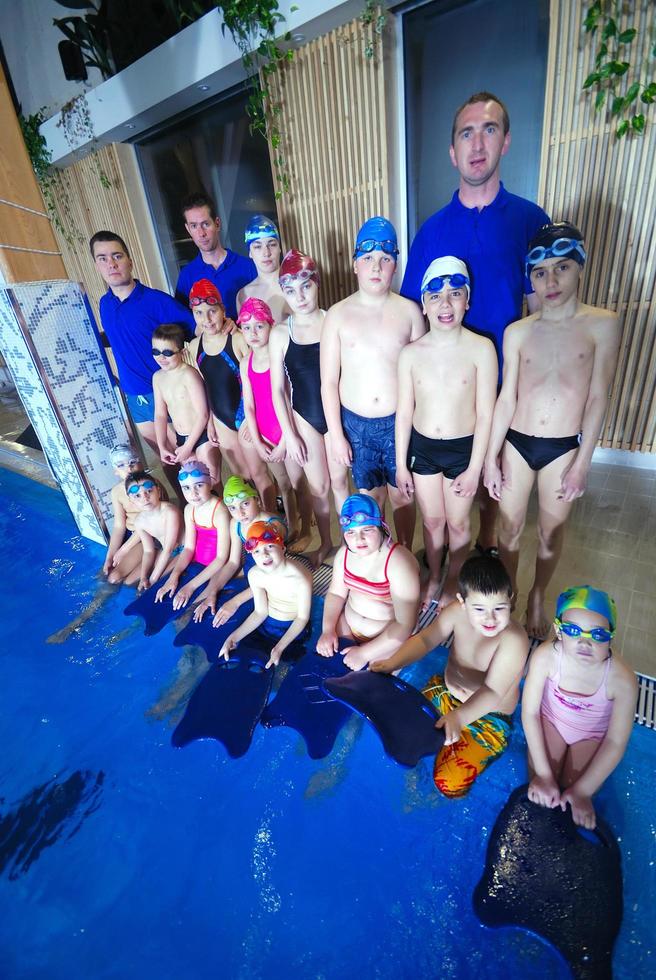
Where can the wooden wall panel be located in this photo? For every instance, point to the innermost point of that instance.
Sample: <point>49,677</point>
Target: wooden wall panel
<point>334,145</point>
<point>607,187</point>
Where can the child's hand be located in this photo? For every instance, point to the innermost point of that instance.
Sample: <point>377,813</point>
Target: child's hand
<point>183,454</point>
<point>278,453</point>
<point>341,450</point>
<point>404,482</point>
<point>107,566</point>
<point>211,432</point>
<point>297,450</point>
<point>224,613</point>
<point>383,666</point>
<point>466,484</point>
<point>202,608</point>
<point>168,457</point>
<point>274,656</point>
<point>544,791</point>
<point>493,480</point>
<point>583,813</point>
<point>230,644</point>
<point>452,726</point>
<point>327,644</point>
<point>167,589</point>
<point>183,596</point>
<point>143,585</point>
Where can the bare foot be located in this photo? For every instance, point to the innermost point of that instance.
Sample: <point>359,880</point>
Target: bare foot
<point>319,556</point>
<point>429,593</point>
<point>537,621</point>
<point>299,543</point>
<point>354,658</point>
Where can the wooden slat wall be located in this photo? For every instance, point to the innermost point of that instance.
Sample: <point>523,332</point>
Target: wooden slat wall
<point>333,121</point>
<point>607,187</point>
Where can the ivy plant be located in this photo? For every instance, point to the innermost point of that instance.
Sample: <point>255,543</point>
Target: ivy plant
<point>620,85</point>
<point>41,159</point>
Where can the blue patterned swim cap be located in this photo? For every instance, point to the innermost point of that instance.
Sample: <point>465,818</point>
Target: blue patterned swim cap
<point>260,227</point>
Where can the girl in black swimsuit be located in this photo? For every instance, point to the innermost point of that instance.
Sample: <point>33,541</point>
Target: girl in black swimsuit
<point>217,352</point>
<point>296,386</point>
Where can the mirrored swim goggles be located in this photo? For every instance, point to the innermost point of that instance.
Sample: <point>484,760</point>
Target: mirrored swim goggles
<point>389,247</point>
<point>210,300</point>
<point>167,352</point>
<point>183,474</point>
<point>598,634</point>
<point>358,520</point>
<point>436,285</point>
<point>136,487</point>
<point>562,246</point>
<point>266,537</point>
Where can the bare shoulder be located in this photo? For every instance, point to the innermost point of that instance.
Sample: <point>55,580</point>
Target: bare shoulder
<point>542,660</point>
<point>513,641</point>
<point>279,335</point>
<point>402,561</point>
<point>482,348</point>
<point>519,329</point>
<point>622,680</point>
<point>337,311</point>
<point>299,571</point>
<point>404,306</point>
<point>604,323</point>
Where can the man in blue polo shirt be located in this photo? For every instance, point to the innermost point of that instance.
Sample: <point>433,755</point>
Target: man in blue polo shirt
<point>486,227</point>
<point>228,270</point>
<point>129,313</point>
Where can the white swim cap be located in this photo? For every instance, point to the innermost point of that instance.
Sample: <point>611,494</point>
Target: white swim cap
<point>446,267</point>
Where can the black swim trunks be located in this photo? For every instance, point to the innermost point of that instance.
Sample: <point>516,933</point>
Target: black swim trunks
<point>372,443</point>
<point>539,451</point>
<point>180,440</point>
<point>428,457</point>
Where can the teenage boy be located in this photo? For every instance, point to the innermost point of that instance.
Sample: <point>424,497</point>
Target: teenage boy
<point>558,367</point>
<point>223,267</point>
<point>480,687</point>
<point>362,339</point>
<point>486,227</point>
<point>447,390</point>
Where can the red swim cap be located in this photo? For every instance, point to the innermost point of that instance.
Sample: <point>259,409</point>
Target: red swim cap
<point>255,309</point>
<point>295,265</point>
<point>204,290</point>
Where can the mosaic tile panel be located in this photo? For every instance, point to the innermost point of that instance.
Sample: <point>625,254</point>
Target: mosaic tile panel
<point>57,361</point>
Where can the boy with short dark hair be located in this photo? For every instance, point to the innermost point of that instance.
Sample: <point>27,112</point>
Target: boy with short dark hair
<point>480,687</point>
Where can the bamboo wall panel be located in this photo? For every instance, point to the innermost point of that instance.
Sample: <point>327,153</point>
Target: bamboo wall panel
<point>334,147</point>
<point>607,187</point>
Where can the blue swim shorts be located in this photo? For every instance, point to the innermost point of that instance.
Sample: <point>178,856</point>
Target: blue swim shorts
<point>141,407</point>
<point>372,443</point>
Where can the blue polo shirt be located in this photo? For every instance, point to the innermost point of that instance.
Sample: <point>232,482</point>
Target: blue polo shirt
<point>233,273</point>
<point>493,242</point>
<point>129,325</point>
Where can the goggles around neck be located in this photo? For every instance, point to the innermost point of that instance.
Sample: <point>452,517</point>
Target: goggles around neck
<point>183,474</point>
<point>266,537</point>
<point>389,247</point>
<point>167,352</point>
<point>456,281</point>
<point>136,487</point>
<point>598,634</point>
<point>210,300</point>
<point>562,246</point>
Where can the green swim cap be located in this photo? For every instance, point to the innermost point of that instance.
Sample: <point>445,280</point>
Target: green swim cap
<point>587,597</point>
<point>237,488</point>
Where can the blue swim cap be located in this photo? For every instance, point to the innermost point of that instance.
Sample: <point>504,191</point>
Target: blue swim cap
<point>359,510</point>
<point>587,597</point>
<point>376,234</point>
<point>260,227</point>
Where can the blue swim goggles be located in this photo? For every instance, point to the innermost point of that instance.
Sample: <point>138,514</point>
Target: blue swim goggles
<point>183,474</point>
<point>562,246</point>
<point>599,634</point>
<point>389,247</point>
<point>136,487</point>
<point>436,285</point>
<point>359,520</point>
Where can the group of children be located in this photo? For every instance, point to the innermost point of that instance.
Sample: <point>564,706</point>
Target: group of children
<point>292,395</point>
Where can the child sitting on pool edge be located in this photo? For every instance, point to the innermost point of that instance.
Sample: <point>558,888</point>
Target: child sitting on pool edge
<point>578,705</point>
<point>124,567</point>
<point>158,525</point>
<point>480,687</point>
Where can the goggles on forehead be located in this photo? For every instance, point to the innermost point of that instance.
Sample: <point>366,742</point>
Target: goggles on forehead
<point>456,281</point>
<point>128,461</point>
<point>301,276</point>
<point>236,498</point>
<point>266,537</point>
<point>183,474</point>
<point>598,634</point>
<point>562,246</point>
<point>167,352</point>
<point>136,487</point>
<point>389,247</point>
<point>358,520</point>
<point>210,300</point>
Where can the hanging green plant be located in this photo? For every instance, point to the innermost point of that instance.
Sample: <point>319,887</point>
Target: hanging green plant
<point>619,85</point>
<point>41,159</point>
<point>373,15</point>
<point>75,120</point>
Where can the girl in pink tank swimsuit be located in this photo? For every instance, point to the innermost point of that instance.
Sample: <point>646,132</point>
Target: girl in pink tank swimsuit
<point>263,428</point>
<point>206,535</point>
<point>578,705</point>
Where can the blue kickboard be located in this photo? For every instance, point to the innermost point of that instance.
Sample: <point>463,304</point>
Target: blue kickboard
<point>157,614</point>
<point>402,717</point>
<point>544,874</point>
<point>210,638</point>
<point>303,704</point>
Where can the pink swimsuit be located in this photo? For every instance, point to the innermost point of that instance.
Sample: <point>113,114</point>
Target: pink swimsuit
<point>205,550</point>
<point>265,413</point>
<point>577,716</point>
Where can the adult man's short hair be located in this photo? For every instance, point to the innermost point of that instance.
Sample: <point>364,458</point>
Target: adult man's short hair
<point>199,199</point>
<point>107,236</point>
<point>481,97</point>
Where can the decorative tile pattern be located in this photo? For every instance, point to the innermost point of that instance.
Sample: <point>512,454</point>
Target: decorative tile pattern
<point>52,348</point>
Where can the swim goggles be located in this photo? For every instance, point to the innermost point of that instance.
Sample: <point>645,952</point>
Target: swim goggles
<point>266,537</point>
<point>389,247</point>
<point>136,487</point>
<point>167,352</point>
<point>210,300</point>
<point>562,246</point>
<point>235,498</point>
<point>598,634</point>
<point>359,520</point>
<point>183,474</point>
<point>456,281</point>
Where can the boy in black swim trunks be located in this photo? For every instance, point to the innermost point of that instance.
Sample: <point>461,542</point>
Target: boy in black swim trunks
<point>558,366</point>
<point>447,388</point>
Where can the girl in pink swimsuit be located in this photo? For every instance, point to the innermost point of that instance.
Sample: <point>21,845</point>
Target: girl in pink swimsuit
<point>578,705</point>
<point>263,428</point>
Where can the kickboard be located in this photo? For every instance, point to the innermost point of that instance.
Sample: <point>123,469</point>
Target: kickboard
<point>402,717</point>
<point>303,704</point>
<point>228,702</point>
<point>544,874</point>
<point>157,614</point>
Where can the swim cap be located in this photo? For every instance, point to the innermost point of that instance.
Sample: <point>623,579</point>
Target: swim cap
<point>255,309</point>
<point>262,532</point>
<point>194,467</point>
<point>260,227</point>
<point>446,267</point>
<point>236,487</point>
<point>359,510</point>
<point>204,291</point>
<point>587,597</point>
<point>376,234</point>
<point>123,452</point>
<point>295,265</point>
<point>555,241</point>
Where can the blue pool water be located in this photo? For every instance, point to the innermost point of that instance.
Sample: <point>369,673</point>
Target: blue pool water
<point>123,857</point>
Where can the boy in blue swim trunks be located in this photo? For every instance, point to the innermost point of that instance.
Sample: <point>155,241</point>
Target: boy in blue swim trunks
<point>362,339</point>
<point>447,390</point>
<point>559,363</point>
